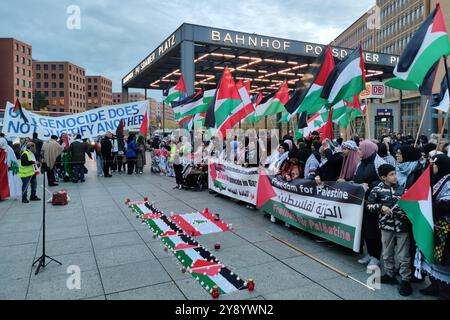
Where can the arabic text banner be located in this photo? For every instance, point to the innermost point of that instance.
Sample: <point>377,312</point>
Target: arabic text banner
<point>88,124</point>
<point>233,181</point>
<point>333,211</point>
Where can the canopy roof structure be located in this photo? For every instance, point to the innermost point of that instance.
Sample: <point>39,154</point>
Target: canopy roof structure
<point>201,53</point>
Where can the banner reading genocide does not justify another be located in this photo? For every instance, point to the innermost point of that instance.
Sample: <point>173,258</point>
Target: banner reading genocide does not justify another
<point>88,124</point>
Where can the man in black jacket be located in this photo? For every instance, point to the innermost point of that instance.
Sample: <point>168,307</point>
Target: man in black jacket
<point>106,150</point>
<point>77,150</point>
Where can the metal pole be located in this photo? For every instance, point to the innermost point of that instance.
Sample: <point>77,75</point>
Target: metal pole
<point>164,118</point>
<point>421,121</point>
<point>448,88</point>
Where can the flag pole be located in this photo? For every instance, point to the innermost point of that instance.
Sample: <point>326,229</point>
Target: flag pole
<point>368,120</point>
<point>421,121</point>
<point>446,114</point>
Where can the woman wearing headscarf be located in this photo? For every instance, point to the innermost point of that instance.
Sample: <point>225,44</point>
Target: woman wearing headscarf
<point>439,270</point>
<point>140,155</point>
<point>313,161</point>
<point>384,153</point>
<point>410,166</point>
<point>330,160</point>
<point>367,176</point>
<point>351,160</point>
<point>279,158</point>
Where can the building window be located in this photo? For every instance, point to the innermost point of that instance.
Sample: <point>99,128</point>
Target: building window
<point>89,80</point>
<point>29,95</point>
<point>46,93</point>
<point>61,85</point>
<point>29,51</point>
<point>61,94</point>
<point>23,94</point>
<point>17,93</point>
<point>23,71</point>
<point>38,67</point>
<point>53,75</point>
<point>38,85</point>
<point>23,83</point>
<point>29,84</point>
<point>29,73</point>
<point>45,75</point>
<point>53,85</point>
<point>45,66</point>
<point>61,76</point>
<point>17,47</point>
<point>53,67</point>
<point>61,67</point>
<point>45,84</point>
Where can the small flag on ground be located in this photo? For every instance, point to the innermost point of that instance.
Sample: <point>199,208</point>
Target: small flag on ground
<point>417,204</point>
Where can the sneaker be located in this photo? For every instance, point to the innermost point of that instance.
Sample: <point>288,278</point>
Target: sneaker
<point>180,187</point>
<point>364,260</point>
<point>272,219</point>
<point>405,289</point>
<point>387,279</point>
<point>35,199</point>
<point>176,187</point>
<point>373,262</point>
<point>25,201</point>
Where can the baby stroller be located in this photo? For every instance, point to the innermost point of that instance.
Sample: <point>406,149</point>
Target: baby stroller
<point>156,159</point>
<point>195,176</point>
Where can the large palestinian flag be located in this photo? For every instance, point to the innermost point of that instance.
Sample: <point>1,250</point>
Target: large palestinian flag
<point>189,106</point>
<point>347,79</point>
<point>226,103</point>
<point>245,109</point>
<point>272,104</point>
<point>417,203</point>
<point>427,46</point>
<point>197,260</point>
<point>177,92</point>
<point>309,100</point>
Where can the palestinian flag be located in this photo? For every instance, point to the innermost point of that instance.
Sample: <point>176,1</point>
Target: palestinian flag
<point>347,79</point>
<point>310,100</point>
<point>345,112</point>
<point>425,88</point>
<point>199,223</point>
<point>144,126</point>
<point>120,128</point>
<point>272,104</point>
<point>443,100</point>
<point>176,92</point>
<point>417,204</point>
<point>226,103</point>
<point>19,111</point>
<point>242,111</point>
<point>427,46</point>
<point>327,132</point>
<point>265,190</point>
<point>315,123</point>
<point>189,106</point>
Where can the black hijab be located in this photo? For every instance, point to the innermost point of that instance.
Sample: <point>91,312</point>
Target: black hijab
<point>410,154</point>
<point>442,161</point>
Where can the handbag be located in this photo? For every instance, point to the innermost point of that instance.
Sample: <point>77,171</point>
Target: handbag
<point>60,198</point>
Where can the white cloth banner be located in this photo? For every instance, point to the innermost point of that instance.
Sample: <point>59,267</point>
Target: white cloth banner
<point>88,124</point>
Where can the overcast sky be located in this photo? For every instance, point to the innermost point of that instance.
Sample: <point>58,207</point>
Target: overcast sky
<point>116,35</point>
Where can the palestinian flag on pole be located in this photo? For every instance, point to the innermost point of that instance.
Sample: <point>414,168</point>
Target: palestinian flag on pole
<point>425,88</point>
<point>347,79</point>
<point>315,123</point>
<point>177,92</point>
<point>272,104</point>
<point>345,112</point>
<point>226,103</point>
<point>417,204</point>
<point>427,46</point>
<point>19,111</point>
<point>189,106</point>
<point>242,111</point>
<point>310,100</point>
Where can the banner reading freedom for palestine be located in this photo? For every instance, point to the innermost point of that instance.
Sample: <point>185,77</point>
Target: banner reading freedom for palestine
<point>88,124</point>
<point>333,211</point>
<point>233,181</point>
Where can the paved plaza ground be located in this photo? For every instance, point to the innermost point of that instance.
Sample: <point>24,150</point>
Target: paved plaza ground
<point>119,259</point>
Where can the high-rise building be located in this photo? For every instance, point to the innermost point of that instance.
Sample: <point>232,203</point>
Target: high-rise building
<point>16,77</point>
<point>98,92</point>
<point>62,84</point>
<point>388,27</point>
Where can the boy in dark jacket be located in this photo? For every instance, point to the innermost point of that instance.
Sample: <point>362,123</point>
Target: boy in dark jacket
<point>394,226</point>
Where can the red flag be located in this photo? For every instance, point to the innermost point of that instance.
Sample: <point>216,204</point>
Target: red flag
<point>67,142</point>
<point>265,190</point>
<point>120,128</point>
<point>144,126</point>
<point>328,130</point>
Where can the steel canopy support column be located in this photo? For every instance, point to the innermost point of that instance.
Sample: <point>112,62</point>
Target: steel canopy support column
<point>124,95</point>
<point>188,65</point>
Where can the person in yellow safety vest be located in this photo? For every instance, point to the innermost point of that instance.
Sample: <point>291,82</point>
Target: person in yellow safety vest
<point>177,152</point>
<point>27,172</point>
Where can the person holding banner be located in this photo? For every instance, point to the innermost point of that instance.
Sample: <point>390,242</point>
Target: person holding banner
<point>351,161</point>
<point>28,172</point>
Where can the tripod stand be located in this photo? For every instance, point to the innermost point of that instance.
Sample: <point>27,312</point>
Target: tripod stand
<point>41,259</point>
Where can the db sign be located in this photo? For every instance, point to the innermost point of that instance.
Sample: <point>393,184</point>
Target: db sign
<point>374,90</point>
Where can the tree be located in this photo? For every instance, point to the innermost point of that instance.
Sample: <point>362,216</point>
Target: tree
<point>39,101</point>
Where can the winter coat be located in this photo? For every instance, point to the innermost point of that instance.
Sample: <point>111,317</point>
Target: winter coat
<point>384,195</point>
